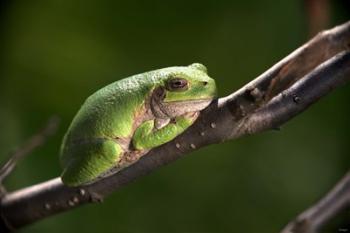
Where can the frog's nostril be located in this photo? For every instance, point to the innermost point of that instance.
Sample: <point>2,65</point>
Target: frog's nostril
<point>205,83</point>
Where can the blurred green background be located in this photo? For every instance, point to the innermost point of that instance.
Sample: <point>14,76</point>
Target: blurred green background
<point>55,53</point>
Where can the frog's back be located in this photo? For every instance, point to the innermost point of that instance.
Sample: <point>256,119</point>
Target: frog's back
<point>106,115</point>
<point>110,112</point>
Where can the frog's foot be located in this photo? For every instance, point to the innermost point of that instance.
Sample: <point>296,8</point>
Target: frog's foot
<point>192,115</point>
<point>160,122</point>
<point>189,115</point>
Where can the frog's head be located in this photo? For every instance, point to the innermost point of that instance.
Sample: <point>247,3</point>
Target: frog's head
<point>183,90</point>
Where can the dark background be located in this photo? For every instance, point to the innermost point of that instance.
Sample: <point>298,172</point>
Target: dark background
<point>55,53</point>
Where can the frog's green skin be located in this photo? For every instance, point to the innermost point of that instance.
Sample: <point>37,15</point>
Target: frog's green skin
<point>124,120</point>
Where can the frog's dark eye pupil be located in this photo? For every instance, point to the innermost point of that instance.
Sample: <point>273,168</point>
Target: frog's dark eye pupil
<point>177,84</point>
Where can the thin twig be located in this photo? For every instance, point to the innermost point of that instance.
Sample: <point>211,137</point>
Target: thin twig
<point>32,143</point>
<point>318,215</point>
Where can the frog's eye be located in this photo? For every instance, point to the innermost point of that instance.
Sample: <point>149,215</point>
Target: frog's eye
<point>177,84</point>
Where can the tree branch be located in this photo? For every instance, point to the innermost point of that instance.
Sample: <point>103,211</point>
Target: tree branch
<point>270,100</point>
<point>35,141</point>
<point>329,206</point>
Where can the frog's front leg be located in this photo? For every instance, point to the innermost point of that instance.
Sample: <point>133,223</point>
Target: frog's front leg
<point>147,136</point>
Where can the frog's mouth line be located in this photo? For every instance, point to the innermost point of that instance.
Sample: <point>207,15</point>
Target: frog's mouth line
<point>190,101</point>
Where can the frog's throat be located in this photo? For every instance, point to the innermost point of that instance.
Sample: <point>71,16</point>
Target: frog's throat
<point>165,110</point>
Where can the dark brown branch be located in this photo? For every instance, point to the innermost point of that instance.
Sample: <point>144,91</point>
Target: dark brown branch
<point>259,103</point>
<point>326,77</point>
<point>329,206</point>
